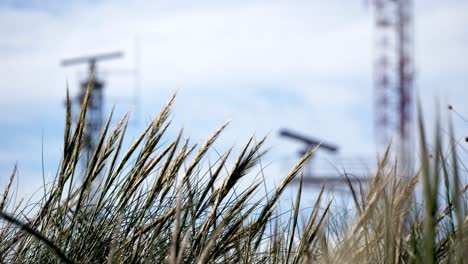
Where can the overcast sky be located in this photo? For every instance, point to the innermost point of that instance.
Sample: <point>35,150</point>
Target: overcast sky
<point>306,65</point>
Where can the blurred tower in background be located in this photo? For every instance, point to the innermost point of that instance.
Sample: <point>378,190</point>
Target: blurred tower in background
<point>393,76</point>
<point>94,116</point>
<point>311,179</point>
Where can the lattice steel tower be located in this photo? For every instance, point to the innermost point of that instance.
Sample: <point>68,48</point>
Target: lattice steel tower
<point>94,115</point>
<point>393,75</point>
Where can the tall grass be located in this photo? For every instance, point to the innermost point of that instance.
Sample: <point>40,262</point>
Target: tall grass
<point>162,202</point>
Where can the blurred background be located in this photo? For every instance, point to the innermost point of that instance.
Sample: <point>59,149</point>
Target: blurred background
<point>312,67</point>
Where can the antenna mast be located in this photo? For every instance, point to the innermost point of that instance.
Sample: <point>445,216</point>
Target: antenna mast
<point>393,76</point>
<point>317,180</point>
<point>94,116</point>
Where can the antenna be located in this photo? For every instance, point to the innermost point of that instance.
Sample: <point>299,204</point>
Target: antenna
<point>393,75</point>
<point>91,60</point>
<point>311,143</point>
<point>94,116</point>
<point>315,180</point>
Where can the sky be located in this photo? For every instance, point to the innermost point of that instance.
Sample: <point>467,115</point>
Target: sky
<point>263,65</point>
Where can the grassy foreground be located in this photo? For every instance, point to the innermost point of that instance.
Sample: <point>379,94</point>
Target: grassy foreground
<point>163,203</point>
